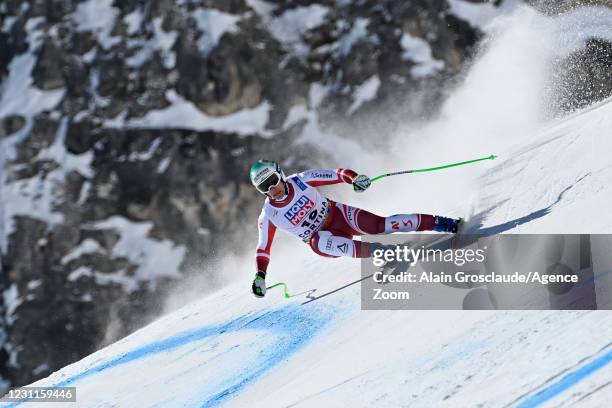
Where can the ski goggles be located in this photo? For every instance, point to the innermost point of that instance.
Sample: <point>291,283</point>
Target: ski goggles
<point>267,184</point>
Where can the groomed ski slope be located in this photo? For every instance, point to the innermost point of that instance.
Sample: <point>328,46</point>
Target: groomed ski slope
<point>234,350</point>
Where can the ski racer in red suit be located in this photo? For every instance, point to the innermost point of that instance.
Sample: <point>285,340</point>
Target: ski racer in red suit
<point>295,205</point>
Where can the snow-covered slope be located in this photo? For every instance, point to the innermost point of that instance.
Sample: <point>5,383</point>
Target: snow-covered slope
<point>230,348</point>
<point>559,183</point>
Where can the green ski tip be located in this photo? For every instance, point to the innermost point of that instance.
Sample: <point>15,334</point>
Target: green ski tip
<point>492,157</point>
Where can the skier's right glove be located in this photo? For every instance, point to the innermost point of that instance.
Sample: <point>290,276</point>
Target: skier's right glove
<point>361,183</point>
<point>259,284</point>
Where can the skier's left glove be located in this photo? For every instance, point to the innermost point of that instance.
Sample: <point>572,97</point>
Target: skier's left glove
<point>361,183</point>
<point>259,284</point>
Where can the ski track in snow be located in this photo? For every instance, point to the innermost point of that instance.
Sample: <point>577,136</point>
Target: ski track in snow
<point>567,381</point>
<point>291,327</point>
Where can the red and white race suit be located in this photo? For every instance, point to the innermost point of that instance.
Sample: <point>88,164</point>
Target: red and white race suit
<point>327,226</point>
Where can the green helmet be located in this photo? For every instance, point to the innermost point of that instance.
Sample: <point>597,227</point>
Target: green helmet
<point>265,174</point>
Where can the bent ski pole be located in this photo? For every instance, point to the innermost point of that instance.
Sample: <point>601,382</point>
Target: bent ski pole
<point>284,285</point>
<point>491,157</point>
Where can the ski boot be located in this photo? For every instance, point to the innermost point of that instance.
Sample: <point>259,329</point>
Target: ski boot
<point>444,224</point>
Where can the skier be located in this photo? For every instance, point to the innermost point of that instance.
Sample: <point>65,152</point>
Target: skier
<point>295,205</point>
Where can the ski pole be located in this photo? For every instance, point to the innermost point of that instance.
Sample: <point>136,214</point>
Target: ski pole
<point>491,157</point>
<point>284,285</point>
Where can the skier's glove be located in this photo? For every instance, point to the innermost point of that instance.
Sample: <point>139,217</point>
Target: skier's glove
<point>259,284</point>
<point>361,183</point>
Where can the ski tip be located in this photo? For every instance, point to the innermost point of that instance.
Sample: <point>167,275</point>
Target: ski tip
<point>492,157</point>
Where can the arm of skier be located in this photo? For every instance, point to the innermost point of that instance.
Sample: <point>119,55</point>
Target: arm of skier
<point>324,177</point>
<point>262,254</point>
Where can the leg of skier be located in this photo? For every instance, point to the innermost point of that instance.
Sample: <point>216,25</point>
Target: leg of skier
<point>364,222</point>
<point>345,221</point>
